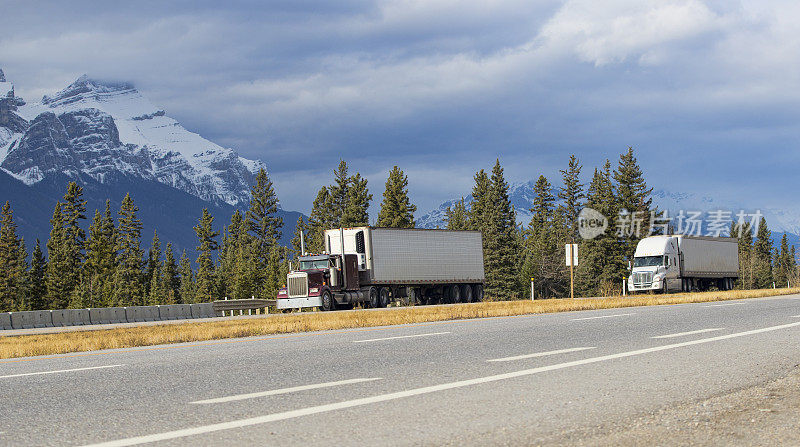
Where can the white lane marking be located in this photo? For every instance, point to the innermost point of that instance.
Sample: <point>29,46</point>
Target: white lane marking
<point>59,371</point>
<point>401,336</point>
<point>720,305</point>
<point>539,354</point>
<point>795,316</point>
<point>283,391</point>
<point>414,392</point>
<point>601,316</point>
<point>681,334</point>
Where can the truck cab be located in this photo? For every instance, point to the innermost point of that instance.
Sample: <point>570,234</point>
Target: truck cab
<point>655,265</point>
<point>317,280</point>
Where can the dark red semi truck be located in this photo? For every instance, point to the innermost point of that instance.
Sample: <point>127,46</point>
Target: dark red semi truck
<point>386,265</point>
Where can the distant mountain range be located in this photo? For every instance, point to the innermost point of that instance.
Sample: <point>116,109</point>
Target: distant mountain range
<point>112,140</point>
<point>522,196</point>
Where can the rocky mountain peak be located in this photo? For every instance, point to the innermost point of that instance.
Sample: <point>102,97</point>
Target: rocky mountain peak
<point>2,76</point>
<point>88,88</point>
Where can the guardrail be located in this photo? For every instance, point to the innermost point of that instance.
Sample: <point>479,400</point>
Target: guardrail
<point>105,315</point>
<point>249,305</point>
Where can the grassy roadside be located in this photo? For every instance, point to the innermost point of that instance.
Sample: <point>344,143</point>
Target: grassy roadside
<point>32,345</point>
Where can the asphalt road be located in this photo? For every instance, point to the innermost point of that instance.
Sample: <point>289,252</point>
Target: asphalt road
<point>566,378</point>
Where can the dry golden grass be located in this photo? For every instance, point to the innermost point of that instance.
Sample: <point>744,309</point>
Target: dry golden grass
<point>33,345</point>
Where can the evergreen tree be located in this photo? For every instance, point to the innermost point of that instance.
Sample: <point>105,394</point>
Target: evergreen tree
<point>37,289</point>
<point>205,290</point>
<point>339,193</point>
<point>12,263</point>
<point>571,195</point>
<point>500,241</point>
<point>299,228</point>
<point>744,234</point>
<point>187,287</point>
<point>633,197</point>
<point>480,202</point>
<point>153,270</point>
<point>762,253</point>
<point>74,210</point>
<point>320,219</point>
<point>233,236</point>
<point>543,260</point>
<point>58,285</point>
<point>262,218</point>
<point>98,269</point>
<point>128,287</point>
<point>396,208</point>
<point>248,276</point>
<point>781,263</point>
<point>170,283</point>
<point>458,217</point>
<point>356,211</point>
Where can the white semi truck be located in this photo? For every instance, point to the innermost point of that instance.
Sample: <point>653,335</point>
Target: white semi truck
<point>674,263</point>
<point>383,265</point>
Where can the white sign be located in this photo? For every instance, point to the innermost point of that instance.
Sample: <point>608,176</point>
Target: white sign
<point>571,251</point>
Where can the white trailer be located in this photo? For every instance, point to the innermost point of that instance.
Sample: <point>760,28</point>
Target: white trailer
<point>383,265</point>
<point>684,263</point>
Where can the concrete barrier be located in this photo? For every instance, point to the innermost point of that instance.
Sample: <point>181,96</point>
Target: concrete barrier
<point>175,312</point>
<point>30,319</point>
<point>203,310</point>
<point>71,317</point>
<point>5,320</point>
<point>107,315</point>
<point>141,313</point>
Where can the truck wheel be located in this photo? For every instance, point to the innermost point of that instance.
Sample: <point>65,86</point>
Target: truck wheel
<point>373,297</point>
<point>455,294</point>
<point>466,293</point>
<point>477,292</point>
<point>327,301</point>
<point>384,297</point>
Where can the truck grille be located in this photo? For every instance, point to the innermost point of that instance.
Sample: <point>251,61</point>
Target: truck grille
<point>644,279</point>
<point>297,285</point>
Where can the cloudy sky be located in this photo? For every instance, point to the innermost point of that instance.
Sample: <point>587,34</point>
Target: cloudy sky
<point>707,92</point>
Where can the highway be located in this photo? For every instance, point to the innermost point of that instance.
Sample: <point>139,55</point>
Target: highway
<point>605,377</point>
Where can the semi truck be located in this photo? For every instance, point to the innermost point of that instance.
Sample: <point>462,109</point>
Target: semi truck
<point>378,266</point>
<point>673,263</point>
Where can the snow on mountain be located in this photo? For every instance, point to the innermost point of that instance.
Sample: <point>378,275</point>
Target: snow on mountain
<point>521,196</point>
<point>105,129</point>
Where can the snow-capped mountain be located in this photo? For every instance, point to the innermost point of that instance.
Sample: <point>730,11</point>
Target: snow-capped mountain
<point>99,129</point>
<point>113,141</point>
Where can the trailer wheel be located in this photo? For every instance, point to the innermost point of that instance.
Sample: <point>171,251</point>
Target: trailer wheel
<point>466,293</point>
<point>384,297</point>
<point>455,294</point>
<point>327,301</point>
<point>373,297</point>
<point>477,292</point>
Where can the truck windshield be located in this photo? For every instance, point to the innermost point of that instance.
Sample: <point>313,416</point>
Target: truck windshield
<point>313,264</point>
<point>647,261</point>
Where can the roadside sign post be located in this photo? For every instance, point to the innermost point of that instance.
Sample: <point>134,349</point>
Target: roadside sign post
<point>532,296</point>
<point>571,251</point>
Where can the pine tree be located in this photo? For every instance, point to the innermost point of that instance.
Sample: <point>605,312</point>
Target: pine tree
<point>762,252</point>
<point>37,290</point>
<point>501,251</point>
<point>457,217</point>
<point>339,194</point>
<point>58,285</point>
<point>74,210</point>
<point>248,276</point>
<point>320,220</point>
<point>128,279</point>
<point>12,263</point>
<point>571,195</point>
<point>170,282</point>
<point>396,208</point>
<point>98,269</point>
<point>632,196</point>
<point>262,218</point>
<point>356,211</point>
<point>542,260</point>
<point>480,202</point>
<point>229,252</point>
<point>781,263</point>
<point>187,287</point>
<point>205,281</point>
<point>152,271</point>
<point>299,228</point>
<point>744,234</point>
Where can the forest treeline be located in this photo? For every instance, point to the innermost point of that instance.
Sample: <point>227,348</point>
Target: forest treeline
<point>106,264</point>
